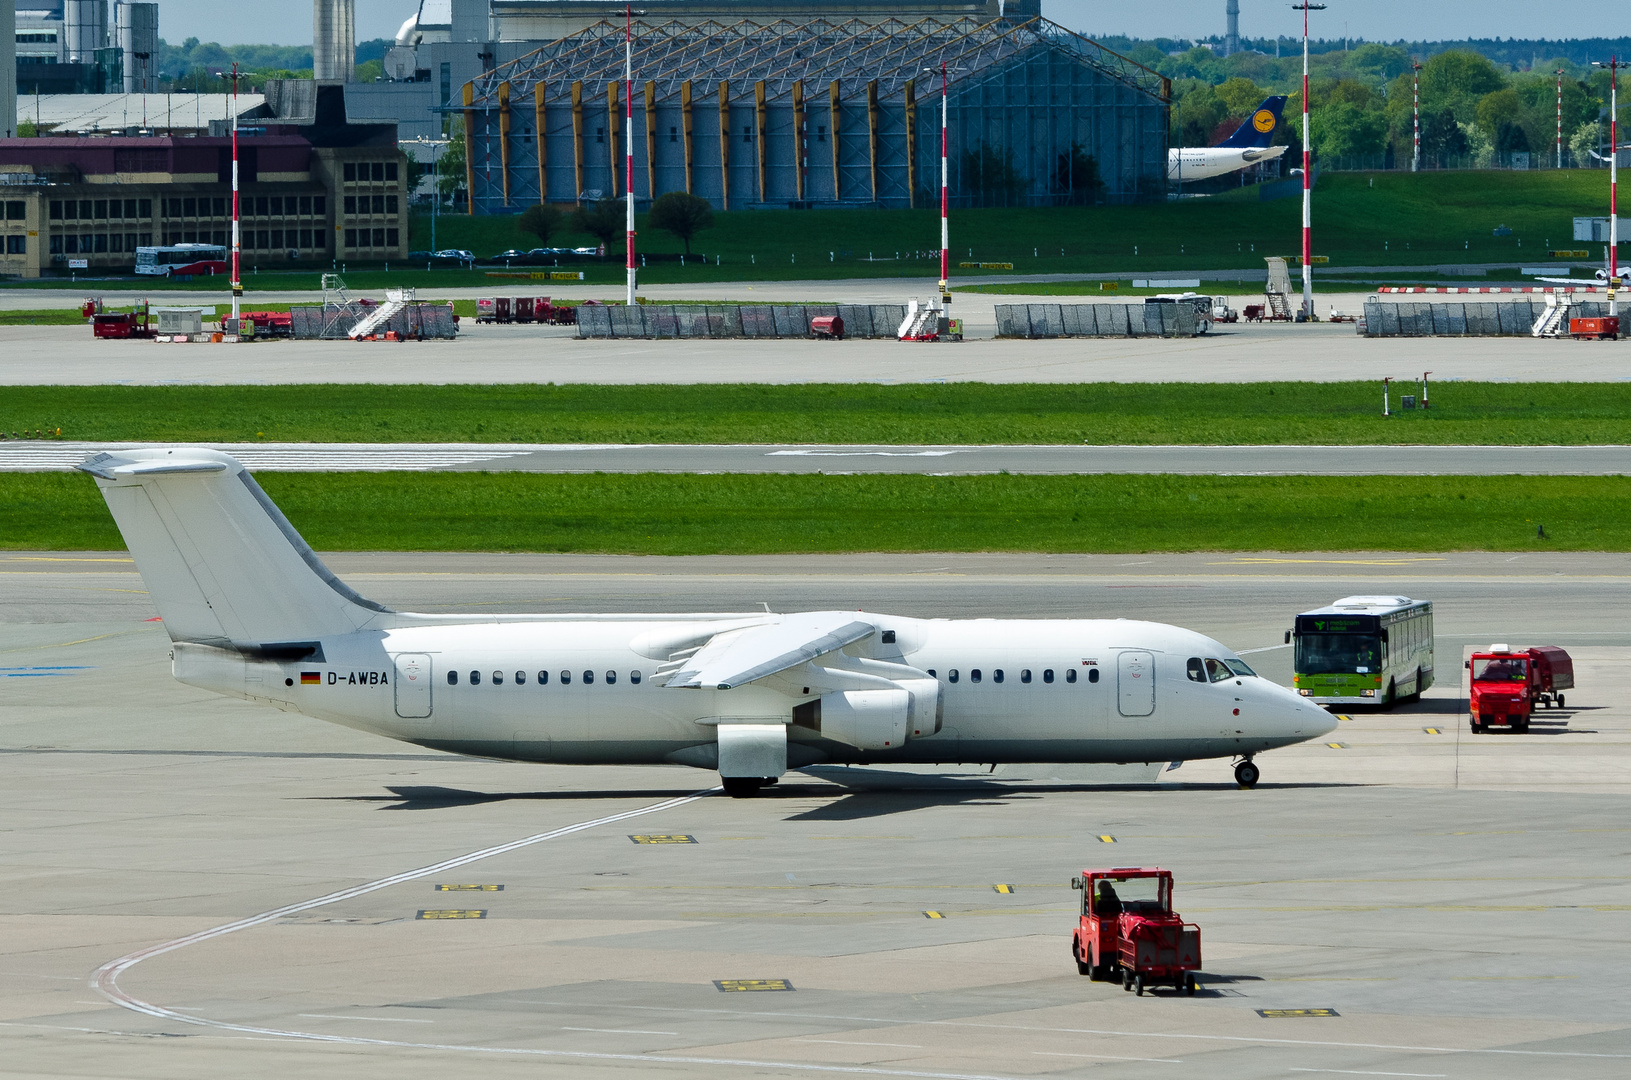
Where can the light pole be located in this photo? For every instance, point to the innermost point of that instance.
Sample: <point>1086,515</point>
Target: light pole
<point>1308,179</point>
<point>1559,73</point>
<point>1415,93</point>
<point>237,247</point>
<point>1613,66</point>
<point>945,191</point>
<point>437,146</point>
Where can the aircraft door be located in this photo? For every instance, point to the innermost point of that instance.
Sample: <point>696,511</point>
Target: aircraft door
<point>1135,683</point>
<point>413,685</point>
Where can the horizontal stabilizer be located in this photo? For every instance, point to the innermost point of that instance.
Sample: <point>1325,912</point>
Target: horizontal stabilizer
<point>740,657</point>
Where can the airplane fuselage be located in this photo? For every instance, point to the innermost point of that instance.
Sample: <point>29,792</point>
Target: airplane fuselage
<point>1201,163</point>
<point>592,692</point>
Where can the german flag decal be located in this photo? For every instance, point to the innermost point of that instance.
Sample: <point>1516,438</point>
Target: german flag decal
<point>311,678</point>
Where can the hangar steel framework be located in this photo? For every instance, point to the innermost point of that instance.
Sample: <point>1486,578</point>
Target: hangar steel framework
<point>819,113</point>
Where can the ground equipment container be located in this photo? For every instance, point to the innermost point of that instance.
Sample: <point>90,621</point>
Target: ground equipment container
<point>1605,328</point>
<point>828,326</point>
<point>1128,931</point>
<point>1507,684</point>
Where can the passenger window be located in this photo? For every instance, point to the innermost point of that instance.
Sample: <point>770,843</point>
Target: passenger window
<point>1218,670</point>
<point>521,678</point>
<point>543,678</point>
<point>974,675</point>
<point>1047,675</point>
<point>951,676</point>
<point>453,678</point>
<point>996,676</point>
<point>588,677</point>
<point>498,678</point>
<point>1092,674</point>
<point>475,678</point>
<point>634,677</point>
<point>1197,670</point>
<point>611,677</point>
<point>1025,675</point>
<point>1070,674</point>
<point>566,678</point>
<point>931,673</point>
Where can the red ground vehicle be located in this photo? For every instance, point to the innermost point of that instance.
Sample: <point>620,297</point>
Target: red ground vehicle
<point>128,324</point>
<point>1128,931</point>
<point>1508,684</point>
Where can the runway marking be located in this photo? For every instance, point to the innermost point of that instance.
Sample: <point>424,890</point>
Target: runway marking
<point>469,888</point>
<point>454,913</point>
<point>868,453</point>
<point>1004,889</point>
<point>933,915</point>
<point>376,1019</point>
<point>1285,1014</point>
<point>1266,648</point>
<point>1433,730</point>
<point>1365,1072</point>
<point>617,1031</point>
<point>663,838</point>
<point>1251,561</point>
<point>741,986</point>
<point>1108,1057</point>
<point>1107,839</point>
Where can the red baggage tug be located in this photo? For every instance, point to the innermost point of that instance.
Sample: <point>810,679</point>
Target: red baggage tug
<point>1129,932</point>
<point>1507,684</point>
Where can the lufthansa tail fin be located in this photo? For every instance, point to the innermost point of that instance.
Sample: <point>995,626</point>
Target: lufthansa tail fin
<point>222,563</point>
<point>1258,130</point>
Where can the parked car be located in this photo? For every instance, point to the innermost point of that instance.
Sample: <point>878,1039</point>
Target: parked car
<point>456,256</point>
<point>513,255</point>
<point>419,256</point>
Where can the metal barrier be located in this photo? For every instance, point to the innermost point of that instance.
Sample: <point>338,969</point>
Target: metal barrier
<point>1508,318</point>
<point>1095,320</point>
<point>734,320</point>
<point>331,322</point>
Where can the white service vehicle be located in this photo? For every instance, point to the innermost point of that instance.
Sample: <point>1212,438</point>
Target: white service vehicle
<point>1205,307</point>
<point>253,613</point>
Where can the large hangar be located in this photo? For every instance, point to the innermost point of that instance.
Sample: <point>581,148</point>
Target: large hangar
<point>820,113</point>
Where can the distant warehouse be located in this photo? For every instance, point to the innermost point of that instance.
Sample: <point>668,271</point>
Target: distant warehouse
<point>820,113</point>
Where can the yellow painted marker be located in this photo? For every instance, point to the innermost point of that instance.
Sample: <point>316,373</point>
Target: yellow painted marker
<point>1004,889</point>
<point>1107,839</point>
<point>933,915</point>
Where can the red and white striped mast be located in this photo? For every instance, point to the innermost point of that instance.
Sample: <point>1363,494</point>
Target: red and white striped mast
<point>1559,74</point>
<point>628,137</point>
<point>1415,113</point>
<point>1308,178</point>
<point>1613,66</point>
<point>945,200</point>
<point>237,279</point>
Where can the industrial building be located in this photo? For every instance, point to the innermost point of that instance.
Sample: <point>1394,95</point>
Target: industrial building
<point>819,113</point>
<point>315,189</point>
<point>86,46</point>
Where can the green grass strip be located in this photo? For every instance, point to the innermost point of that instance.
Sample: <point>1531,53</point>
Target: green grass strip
<point>760,515</point>
<point>970,413</point>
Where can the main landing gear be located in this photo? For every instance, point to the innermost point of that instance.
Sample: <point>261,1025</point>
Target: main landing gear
<point>1247,774</point>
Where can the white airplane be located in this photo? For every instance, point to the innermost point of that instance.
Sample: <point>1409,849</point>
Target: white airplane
<point>254,614</point>
<point>1248,146</point>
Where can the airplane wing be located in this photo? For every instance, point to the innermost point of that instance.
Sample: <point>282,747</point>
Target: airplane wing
<point>742,656</point>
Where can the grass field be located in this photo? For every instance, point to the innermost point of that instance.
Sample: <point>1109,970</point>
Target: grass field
<point>978,413</point>
<point>1360,219</point>
<point>747,515</point>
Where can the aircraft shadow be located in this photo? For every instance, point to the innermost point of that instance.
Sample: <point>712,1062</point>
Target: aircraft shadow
<point>432,797</point>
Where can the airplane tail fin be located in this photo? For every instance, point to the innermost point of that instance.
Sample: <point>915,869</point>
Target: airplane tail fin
<point>1258,130</point>
<point>222,563</point>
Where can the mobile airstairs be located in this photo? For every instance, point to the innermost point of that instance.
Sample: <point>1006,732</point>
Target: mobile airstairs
<point>1554,320</point>
<point>395,301</point>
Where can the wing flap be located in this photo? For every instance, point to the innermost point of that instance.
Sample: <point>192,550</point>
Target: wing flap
<point>747,655</point>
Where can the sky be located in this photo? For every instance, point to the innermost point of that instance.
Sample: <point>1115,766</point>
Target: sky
<point>289,22</point>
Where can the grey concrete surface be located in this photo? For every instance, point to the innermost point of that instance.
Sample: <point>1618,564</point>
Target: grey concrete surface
<point>1323,352</point>
<point>830,459</point>
<point>1459,902</point>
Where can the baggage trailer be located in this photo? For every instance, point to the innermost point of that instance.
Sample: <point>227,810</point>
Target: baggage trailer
<point>1508,683</point>
<point>1128,931</point>
<point>1602,328</point>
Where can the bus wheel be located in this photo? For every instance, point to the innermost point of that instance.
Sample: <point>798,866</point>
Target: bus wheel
<point>1416,687</point>
<point>1392,698</point>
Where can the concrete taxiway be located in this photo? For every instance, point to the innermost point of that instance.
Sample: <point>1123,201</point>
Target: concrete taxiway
<point>264,893</point>
<point>52,456</point>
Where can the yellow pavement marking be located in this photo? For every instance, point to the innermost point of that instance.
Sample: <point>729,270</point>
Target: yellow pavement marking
<point>1004,889</point>
<point>662,838</point>
<point>469,888</point>
<point>1433,730</point>
<point>933,915</point>
<point>737,986</point>
<point>1337,745</point>
<point>1107,839</point>
<point>454,913</point>
<point>1276,1014</point>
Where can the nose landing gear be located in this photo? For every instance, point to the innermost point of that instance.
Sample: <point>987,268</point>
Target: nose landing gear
<point>1247,774</point>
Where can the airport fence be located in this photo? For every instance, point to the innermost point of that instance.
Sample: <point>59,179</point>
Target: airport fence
<point>734,320</point>
<point>330,323</point>
<point>1095,320</point>
<point>1510,318</point>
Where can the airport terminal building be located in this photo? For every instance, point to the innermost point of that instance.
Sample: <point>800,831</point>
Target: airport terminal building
<point>819,112</point>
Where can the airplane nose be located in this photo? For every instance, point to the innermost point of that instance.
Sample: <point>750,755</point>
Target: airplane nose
<point>1303,718</point>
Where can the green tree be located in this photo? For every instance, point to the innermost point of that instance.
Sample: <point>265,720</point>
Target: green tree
<point>1342,130</point>
<point>1196,114</point>
<point>1240,96</point>
<point>990,176</point>
<point>1457,80</point>
<point>1076,176</point>
<point>450,166</point>
<point>604,219</point>
<point>1442,137</point>
<point>542,221</point>
<point>682,214</point>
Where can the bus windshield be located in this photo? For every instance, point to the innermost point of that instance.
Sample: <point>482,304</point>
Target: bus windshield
<point>1335,654</point>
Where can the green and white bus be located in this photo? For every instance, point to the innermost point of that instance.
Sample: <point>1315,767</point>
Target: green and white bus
<point>1364,650</point>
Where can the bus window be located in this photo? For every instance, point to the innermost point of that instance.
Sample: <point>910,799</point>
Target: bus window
<point>1334,654</point>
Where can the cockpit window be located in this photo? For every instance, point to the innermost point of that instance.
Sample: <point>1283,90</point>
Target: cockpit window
<point>1197,670</point>
<point>1239,668</point>
<point>1218,671</point>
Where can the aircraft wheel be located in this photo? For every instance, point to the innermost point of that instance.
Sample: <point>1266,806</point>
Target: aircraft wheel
<point>742,787</point>
<point>1247,774</point>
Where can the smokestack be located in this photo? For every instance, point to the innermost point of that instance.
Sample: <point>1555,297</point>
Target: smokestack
<point>334,40</point>
<point>8,69</point>
<point>137,29</point>
<point>1231,37</point>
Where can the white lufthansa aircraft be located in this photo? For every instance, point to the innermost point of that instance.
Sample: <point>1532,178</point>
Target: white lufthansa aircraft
<point>254,614</point>
<point>1248,146</point>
